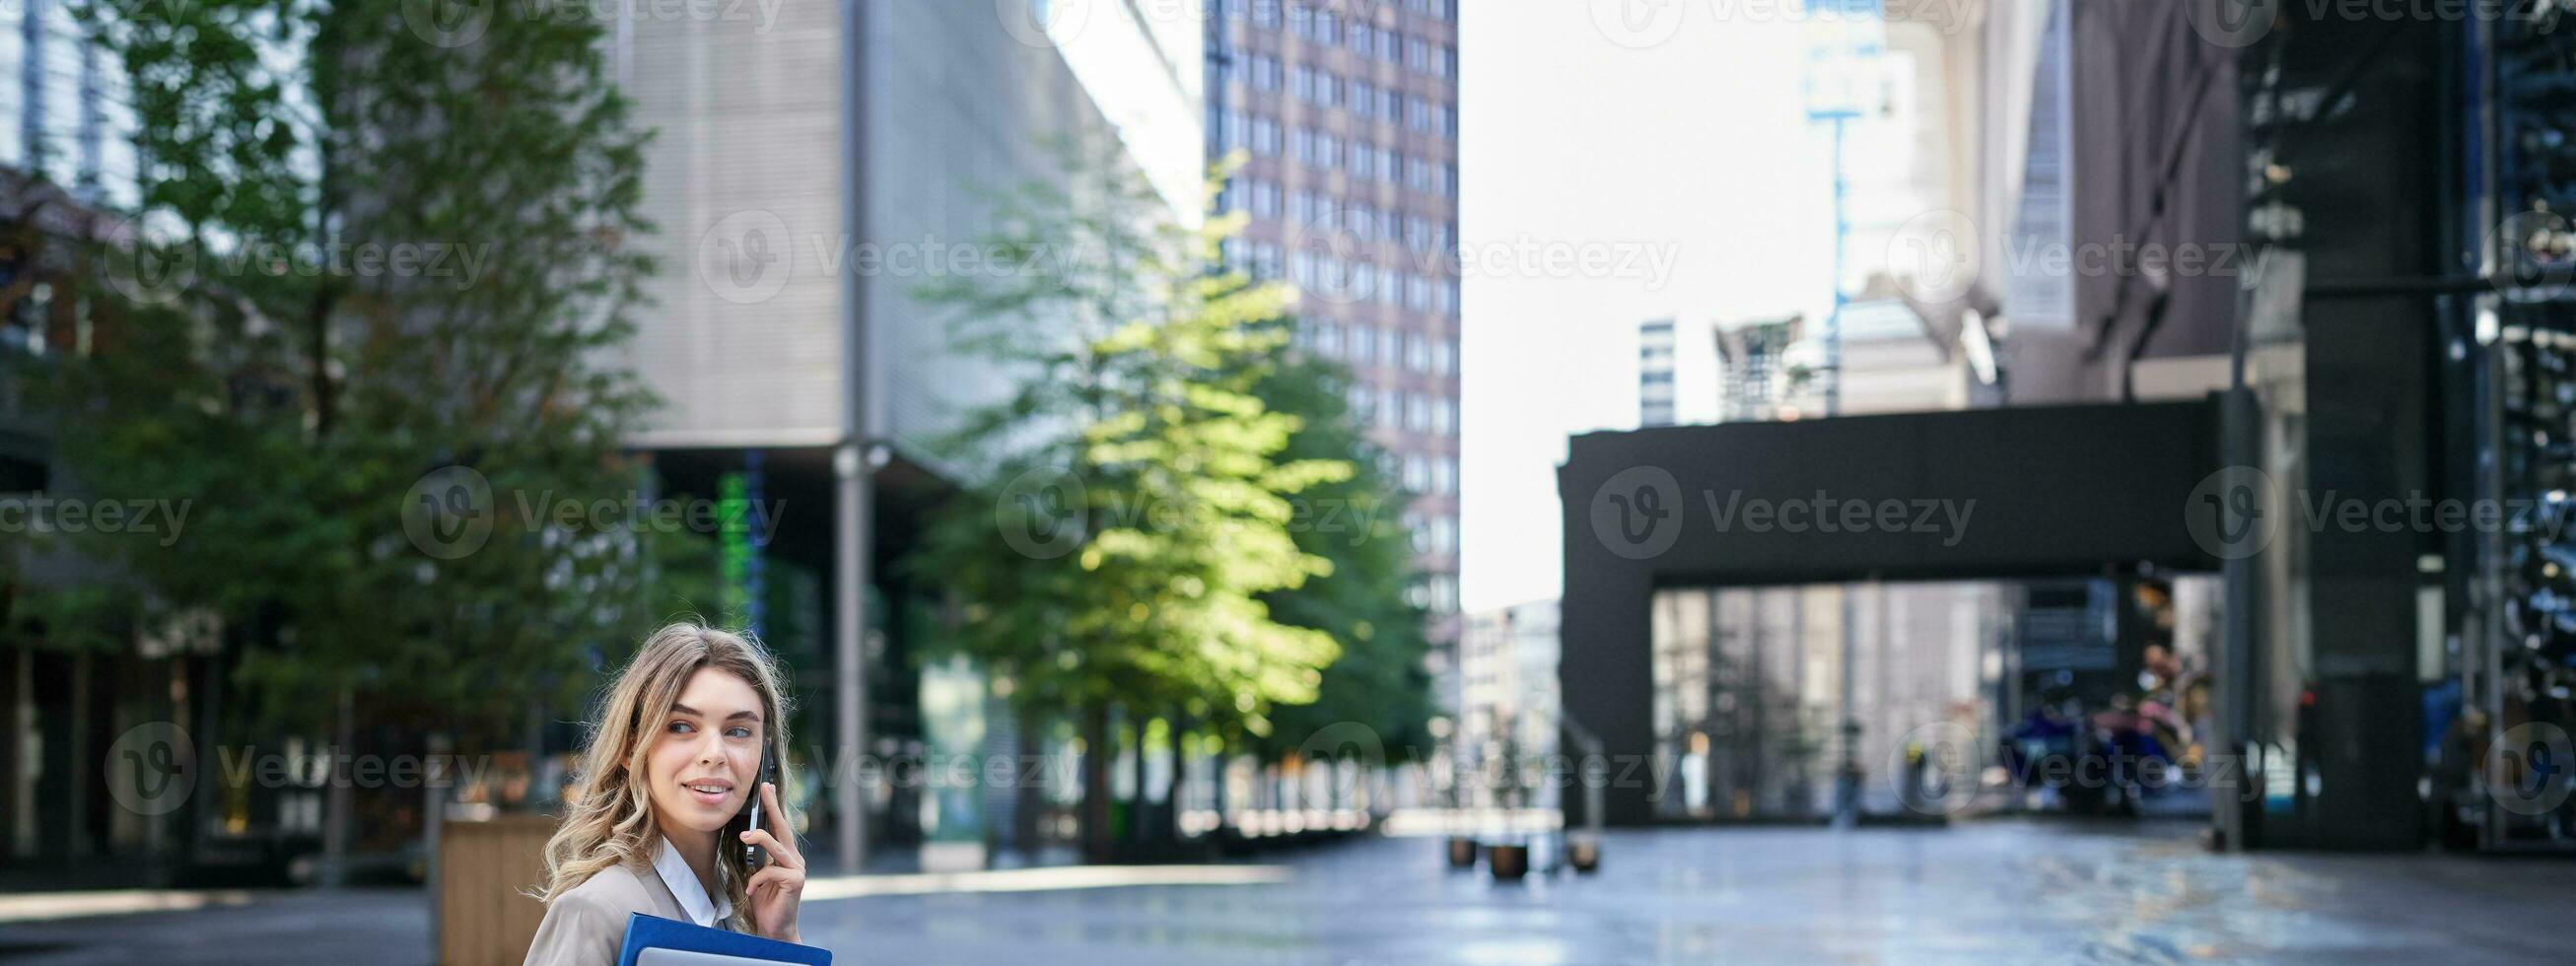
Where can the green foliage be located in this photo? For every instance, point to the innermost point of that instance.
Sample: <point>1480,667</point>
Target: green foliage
<point>392,256</point>
<point>1356,524</point>
<point>1134,512</point>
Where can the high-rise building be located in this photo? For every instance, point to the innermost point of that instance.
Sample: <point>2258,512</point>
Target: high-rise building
<point>1348,112</point>
<point>811,170</point>
<point>1655,373</point>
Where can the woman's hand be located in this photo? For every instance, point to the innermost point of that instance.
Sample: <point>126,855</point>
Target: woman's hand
<point>776,887</point>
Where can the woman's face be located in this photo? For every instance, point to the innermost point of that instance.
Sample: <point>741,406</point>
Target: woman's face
<point>700,768</point>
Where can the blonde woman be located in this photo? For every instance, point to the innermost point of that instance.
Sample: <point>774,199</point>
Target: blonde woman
<point>673,759</point>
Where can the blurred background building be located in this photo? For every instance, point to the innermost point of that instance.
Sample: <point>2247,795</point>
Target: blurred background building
<point>1507,705</point>
<point>792,371</point>
<point>1349,116</point>
<point>64,120</point>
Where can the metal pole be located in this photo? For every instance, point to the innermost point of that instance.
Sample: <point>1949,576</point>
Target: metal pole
<point>850,467</point>
<point>1846,777</point>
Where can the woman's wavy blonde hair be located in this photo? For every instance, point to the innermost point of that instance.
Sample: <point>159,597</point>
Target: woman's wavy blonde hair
<point>609,819</point>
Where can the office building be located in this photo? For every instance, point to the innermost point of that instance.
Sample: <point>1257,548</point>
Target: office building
<point>1655,374</point>
<point>1348,113</point>
<point>790,371</point>
<point>1507,696</point>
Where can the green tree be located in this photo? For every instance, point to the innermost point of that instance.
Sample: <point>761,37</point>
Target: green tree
<point>1356,523</point>
<point>1131,507</point>
<point>359,321</point>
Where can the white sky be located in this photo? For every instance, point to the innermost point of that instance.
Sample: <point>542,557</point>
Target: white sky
<point>1696,146</point>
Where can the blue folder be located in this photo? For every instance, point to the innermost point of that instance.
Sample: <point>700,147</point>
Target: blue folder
<point>654,932</point>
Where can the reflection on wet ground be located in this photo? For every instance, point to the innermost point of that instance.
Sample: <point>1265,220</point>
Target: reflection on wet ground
<point>1986,892</point>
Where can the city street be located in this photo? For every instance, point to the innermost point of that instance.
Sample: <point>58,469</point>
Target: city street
<point>1991,892</point>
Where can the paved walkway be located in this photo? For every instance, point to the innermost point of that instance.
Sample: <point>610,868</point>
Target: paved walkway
<point>1980,893</point>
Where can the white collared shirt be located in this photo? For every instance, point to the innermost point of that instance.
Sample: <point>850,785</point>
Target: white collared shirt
<point>684,886</point>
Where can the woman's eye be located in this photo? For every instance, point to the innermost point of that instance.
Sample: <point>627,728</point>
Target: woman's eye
<point>737,731</point>
<point>682,727</point>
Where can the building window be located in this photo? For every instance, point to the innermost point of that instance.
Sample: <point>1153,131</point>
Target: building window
<point>1363,344</point>
<point>1444,356</point>
<point>1265,136</point>
<point>1233,130</point>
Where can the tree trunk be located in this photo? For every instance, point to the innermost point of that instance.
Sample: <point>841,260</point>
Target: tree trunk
<point>335,824</point>
<point>1028,797</point>
<point>1096,845</point>
<point>1179,784</point>
<point>1140,811</point>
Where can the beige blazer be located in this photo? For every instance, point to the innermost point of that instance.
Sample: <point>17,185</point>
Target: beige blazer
<point>585,925</point>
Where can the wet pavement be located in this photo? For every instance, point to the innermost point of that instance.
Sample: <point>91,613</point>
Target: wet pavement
<point>1984,893</point>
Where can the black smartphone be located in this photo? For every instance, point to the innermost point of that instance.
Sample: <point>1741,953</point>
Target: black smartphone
<point>753,855</point>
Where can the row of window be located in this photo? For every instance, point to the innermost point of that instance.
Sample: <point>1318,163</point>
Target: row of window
<point>1326,151</point>
<point>1365,344</point>
<point>1353,280</point>
<point>1314,25</point>
<point>1323,88</point>
<point>1318,212</point>
<point>1412,412</point>
<point>1347,280</point>
<point>1436,535</point>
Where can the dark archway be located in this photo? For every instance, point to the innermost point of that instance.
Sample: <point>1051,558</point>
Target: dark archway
<point>1994,493</point>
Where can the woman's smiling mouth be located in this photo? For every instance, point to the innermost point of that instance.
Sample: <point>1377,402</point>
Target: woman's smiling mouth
<point>710,791</point>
